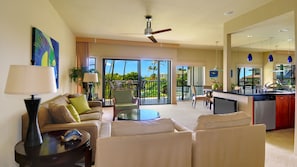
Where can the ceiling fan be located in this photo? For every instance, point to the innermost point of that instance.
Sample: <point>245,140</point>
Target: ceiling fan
<point>148,30</point>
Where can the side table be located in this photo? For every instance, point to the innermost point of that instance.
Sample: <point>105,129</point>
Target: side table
<point>53,152</point>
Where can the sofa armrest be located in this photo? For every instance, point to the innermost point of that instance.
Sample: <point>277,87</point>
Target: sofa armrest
<point>95,103</point>
<point>179,127</point>
<point>136,101</point>
<point>105,130</point>
<point>88,126</point>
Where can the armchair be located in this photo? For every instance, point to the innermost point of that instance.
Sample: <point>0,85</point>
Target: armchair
<point>124,100</point>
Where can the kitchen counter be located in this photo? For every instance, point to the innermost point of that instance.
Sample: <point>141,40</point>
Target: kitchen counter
<point>284,104</point>
<point>259,93</point>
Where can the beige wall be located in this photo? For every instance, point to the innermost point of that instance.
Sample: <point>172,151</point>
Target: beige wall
<point>16,19</point>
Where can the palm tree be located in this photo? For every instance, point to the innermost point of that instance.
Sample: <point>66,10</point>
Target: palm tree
<point>153,68</point>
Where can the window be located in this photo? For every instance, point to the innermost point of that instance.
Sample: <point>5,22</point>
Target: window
<point>249,77</point>
<point>92,63</point>
<point>285,73</point>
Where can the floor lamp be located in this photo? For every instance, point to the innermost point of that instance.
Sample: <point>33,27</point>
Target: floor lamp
<point>31,80</point>
<point>90,78</point>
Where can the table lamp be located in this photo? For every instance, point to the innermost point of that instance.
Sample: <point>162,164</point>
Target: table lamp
<point>90,78</point>
<point>31,80</point>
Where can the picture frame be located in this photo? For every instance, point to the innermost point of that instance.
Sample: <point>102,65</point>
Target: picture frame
<point>213,73</point>
<point>45,51</point>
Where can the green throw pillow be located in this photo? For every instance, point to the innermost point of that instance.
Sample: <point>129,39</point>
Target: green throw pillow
<point>73,112</point>
<point>80,104</point>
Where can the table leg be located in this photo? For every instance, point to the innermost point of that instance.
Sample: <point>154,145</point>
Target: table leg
<point>88,157</point>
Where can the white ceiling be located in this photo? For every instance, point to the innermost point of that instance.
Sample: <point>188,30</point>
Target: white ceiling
<point>194,23</point>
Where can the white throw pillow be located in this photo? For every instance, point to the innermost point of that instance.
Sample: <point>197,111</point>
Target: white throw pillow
<point>128,128</point>
<point>223,120</point>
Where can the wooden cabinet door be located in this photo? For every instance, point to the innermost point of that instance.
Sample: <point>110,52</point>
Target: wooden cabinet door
<point>282,111</point>
<point>292,111</point>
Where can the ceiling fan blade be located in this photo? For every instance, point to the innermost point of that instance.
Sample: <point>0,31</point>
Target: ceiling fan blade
<point>152,38</point>
<point>164,30</point>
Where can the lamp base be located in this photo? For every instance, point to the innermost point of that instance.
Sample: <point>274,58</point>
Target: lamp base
<point>90,96</point>
<point>33,137</point>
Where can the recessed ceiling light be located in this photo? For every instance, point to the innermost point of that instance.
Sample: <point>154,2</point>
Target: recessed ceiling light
<point>228,13</point>
<point>283,30</point>
<point>249,36</point>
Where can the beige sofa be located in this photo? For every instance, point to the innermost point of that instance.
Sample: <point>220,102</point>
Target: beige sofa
<point>157,143</point>
<point>51,118</point>
<point>227,140</point>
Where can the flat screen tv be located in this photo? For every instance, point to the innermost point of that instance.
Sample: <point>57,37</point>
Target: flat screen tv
<point>223,106</point>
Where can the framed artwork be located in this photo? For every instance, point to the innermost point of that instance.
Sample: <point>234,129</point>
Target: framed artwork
<point>213,73</point>
<point>45,51</point>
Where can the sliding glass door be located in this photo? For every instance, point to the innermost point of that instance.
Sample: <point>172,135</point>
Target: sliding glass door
<point>150,79</point>
<point>187,76</point>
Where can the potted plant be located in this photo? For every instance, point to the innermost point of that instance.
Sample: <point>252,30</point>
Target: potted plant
<point>77,73</point>
<point>216,85</point>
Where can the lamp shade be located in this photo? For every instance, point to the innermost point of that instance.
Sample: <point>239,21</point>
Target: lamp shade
<point>90,77</point>
<point>30,80</point>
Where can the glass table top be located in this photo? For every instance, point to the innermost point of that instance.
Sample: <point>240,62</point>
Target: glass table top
<point>138,115</point>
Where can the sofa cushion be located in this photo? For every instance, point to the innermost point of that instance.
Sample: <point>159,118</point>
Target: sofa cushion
<point>71,95</point>
<point>91,116</point>
<point>94,110</point>
<point>128,128</point>
<point>223,120</point>
<point>73,112</point>
<point>62,100</point>
<point>125,106</point>
<point>80,103</point>
<point>60,113</point>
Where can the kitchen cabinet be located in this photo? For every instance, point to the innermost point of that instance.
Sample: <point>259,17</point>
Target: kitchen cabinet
<point>292,111</point>
<point>285,111</point>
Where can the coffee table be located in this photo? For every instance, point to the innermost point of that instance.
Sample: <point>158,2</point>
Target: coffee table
<point>52,152</point>
<point>138,115</point>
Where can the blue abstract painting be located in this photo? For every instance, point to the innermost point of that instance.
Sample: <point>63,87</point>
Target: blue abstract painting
<point>45,51</point>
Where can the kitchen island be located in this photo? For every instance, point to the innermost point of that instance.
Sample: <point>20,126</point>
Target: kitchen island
<point>275,108</point>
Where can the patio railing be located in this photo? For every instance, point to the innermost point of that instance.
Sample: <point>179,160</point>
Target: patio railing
<point>149,91</point>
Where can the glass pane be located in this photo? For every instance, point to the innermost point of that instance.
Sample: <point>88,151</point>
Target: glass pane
<point>92,63</point>
<point>249,78</point>
<point>182,87</point>
<point>152,87</point>
<point>285,74</point>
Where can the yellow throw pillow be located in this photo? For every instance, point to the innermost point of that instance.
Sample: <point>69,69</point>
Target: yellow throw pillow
<point>80,104</point>
<point>73,112</point>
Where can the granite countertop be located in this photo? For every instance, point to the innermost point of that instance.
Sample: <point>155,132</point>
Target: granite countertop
<point>259,93</point>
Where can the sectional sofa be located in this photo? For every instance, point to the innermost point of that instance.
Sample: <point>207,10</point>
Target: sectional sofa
<point>228,140</point>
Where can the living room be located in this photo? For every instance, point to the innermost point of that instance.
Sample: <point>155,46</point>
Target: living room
<point>17,19</point>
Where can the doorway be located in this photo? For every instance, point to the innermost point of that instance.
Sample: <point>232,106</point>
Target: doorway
<point>187,76</point>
